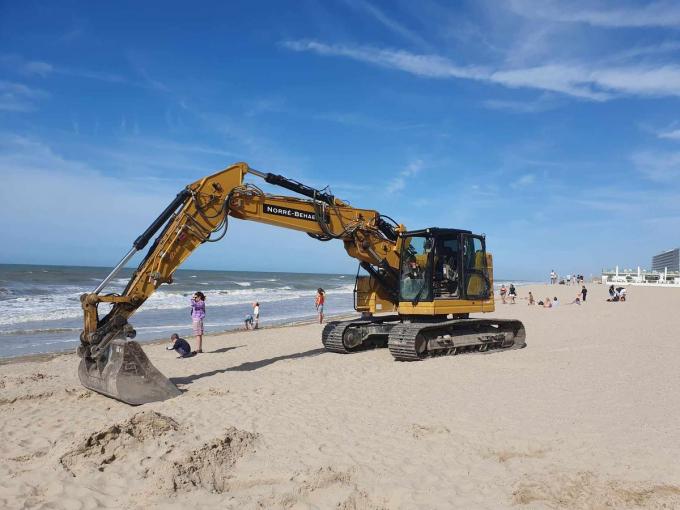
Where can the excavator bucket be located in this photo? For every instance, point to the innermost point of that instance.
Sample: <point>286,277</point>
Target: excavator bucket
<point>126,374</point>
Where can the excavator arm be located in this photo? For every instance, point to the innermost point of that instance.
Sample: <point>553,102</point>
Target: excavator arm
<point>200,213</point>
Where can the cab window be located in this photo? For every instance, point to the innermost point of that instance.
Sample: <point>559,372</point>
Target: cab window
<point>476,273</point>
<point>415,274</point>
<point>446,268</point>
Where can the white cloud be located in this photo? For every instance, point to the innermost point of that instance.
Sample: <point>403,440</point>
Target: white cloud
<point>658,166</point>
<point>540,105</point>
<point>566,79</point>
<point>35,67</point>
<point>610,14</point>
<point>16,97</point>
<point>673,134</point>
<point>399,182</point>
<point>20,65</point>
<point>388,22</point>
<point>430,66</point>
<point>524,181</point>
<point>643,80</point>
<point>581,80</point>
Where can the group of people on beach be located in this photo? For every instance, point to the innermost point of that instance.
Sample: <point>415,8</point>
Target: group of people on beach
<point>616,294</point>
<point>509,295</point>
<point>252,321</point>
<point>570,279</point>
<point>547,303</point>
<point>510,292</point>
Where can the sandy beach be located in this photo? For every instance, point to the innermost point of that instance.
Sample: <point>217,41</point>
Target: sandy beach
<point>585,417</point>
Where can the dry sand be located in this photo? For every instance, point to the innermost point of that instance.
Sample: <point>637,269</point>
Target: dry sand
<point>587,416</point>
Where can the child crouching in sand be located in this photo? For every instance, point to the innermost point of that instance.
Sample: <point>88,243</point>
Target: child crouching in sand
<point>180,346</point>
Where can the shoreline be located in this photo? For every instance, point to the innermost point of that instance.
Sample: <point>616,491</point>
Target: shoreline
<point>41,357</point>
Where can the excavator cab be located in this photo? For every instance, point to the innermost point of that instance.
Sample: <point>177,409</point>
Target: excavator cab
<point>439,265</point>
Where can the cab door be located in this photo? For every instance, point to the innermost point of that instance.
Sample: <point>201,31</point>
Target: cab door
<point>476,273</point>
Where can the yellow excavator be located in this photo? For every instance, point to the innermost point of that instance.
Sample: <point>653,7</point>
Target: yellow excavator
<point>430,279</point>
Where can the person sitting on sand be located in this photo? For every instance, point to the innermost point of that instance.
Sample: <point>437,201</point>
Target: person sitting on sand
<point>622,294</point>
<point>512,293</point>
<point>555,301</point>
<point>547,303</point>
<point>531,299</point>
<point>180,346</point>
<point>503,292</point>
<point>577,300</point>
<point>249,321</point>
<point>612,293</point>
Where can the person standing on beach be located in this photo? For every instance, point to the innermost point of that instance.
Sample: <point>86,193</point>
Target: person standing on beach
<point>256,314</point>
<point>319,302</point>
<point>503,291</point>
<point>531,299</point>
<point>512,293</point>
<point>197,315</point>
<point>584,291</point>
<point>553,277</point>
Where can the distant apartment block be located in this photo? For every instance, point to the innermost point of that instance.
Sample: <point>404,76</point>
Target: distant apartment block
<point>668,259</point>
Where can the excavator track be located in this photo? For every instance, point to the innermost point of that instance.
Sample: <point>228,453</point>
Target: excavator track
<point>333,334</point>
<point>357,335</point>
<point>413,341</point>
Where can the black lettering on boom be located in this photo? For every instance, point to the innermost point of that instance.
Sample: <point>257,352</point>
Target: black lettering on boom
<point>288,212</point>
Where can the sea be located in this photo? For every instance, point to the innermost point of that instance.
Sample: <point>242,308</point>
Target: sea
<point>40,305</point>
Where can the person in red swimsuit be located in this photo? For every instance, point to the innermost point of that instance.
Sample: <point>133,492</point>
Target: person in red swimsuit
<point>320,300</point>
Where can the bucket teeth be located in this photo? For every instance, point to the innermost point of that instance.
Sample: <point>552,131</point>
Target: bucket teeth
<point>125,373</point>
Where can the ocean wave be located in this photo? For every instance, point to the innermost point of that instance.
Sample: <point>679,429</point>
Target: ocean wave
<point>38,331</point>
<point>61,306</point>
<point>243,284</point>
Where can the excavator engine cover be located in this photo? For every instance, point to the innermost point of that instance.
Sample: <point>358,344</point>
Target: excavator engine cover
<point>125,373</point>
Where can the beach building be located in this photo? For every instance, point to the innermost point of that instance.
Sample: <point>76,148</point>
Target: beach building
<point>667,261</point>
<point>641,277</point>
<point>665,272</point>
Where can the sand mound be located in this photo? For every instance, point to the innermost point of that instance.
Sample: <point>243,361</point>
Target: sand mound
<point>114,443</point>
<point>208,467</point>
<point>586,490</point>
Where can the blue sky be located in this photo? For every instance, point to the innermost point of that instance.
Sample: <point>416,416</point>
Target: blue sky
<point>553,128</point>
